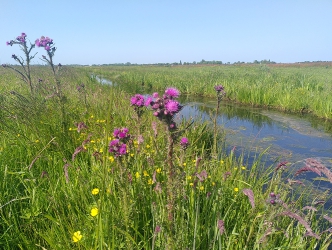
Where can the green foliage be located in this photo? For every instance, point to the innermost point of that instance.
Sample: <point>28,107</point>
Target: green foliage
<point>49,195</point>
<point>296,88</point>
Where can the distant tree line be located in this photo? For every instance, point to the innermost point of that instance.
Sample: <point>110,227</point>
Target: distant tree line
<point>202,62</point>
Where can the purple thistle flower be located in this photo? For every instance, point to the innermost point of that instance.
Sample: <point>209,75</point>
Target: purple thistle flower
<point>155,95</point>
<point>45,42</point>
<point>219,88</point>
<point>113,144</point>
<point>123,149</point>
<point>172,93</point>
<point>122,135</point>
<point>172,107</point>
<point>148,101</point>
<point>137,100</point>
<point>184,142</point>
<point>116,132</point>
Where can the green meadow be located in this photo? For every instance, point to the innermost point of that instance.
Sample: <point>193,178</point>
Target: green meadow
<point>63,188</point>
<point>298,88</point>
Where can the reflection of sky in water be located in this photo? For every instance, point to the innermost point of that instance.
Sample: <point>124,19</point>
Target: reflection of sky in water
<point>267,133</point>
<point>286,143</point>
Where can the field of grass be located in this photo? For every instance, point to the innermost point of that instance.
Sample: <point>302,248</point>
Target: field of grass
<point>300,88</point>
<point>61,188</point>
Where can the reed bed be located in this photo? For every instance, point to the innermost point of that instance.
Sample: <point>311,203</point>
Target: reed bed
<point>299,88</point>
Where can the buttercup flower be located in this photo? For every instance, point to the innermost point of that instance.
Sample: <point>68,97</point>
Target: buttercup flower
<point>94,212</point>
<point>77,236</point>
<point>95,191</point>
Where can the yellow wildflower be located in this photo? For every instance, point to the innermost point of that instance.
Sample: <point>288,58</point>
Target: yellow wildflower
<point>137,175</point>
<point>150,181</point>
<point>158,170</point>
<point>236,189</point>
<point>191,184</point>
<point>213,183</point>
<point>184,164</point>
<point>95,191</point>
<point>243,167</point>
<point>77,236</point>
<point>111,158</point>
<point>189,177</point>
<point>145,173</point>
<point>94,212</point>
<point>201,188</point>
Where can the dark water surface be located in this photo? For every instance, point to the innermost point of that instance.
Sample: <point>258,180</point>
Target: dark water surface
<point>287,137</point>
<point>290,137</point>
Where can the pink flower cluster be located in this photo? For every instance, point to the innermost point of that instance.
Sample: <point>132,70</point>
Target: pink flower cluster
<point>45,42</point>
<point>121,134</point>
<point>20,40</point>
<point>184,142</point>
<point>137,100</point>
<point>118,146</point>
<point>166,107</point>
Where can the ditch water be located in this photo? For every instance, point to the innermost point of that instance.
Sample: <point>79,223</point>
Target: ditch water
<point>250,131</point>
<point>286,137</point>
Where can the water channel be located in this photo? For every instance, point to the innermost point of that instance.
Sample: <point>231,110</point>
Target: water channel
<point>287,137</point>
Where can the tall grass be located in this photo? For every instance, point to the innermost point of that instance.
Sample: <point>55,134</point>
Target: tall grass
<point>301,89</point>
<point>68,192</point>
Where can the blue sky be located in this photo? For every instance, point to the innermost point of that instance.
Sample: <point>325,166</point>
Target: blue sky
<point>101,32</point>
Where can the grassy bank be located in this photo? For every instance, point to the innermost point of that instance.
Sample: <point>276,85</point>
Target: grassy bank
<point>300,88</point>
<point>61,188</point>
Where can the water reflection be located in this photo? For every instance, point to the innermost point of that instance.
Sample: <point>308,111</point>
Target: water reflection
<point>288,137</point>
